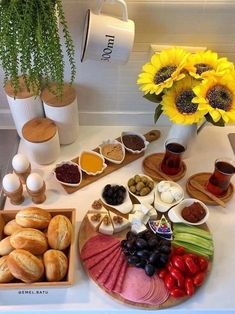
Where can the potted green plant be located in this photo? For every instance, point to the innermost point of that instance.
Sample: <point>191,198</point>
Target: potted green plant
<point>30,43</point>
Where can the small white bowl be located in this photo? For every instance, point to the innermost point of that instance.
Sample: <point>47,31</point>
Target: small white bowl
<point>93,153</point>
<point>124,208</point>
<point>174,213</point>
<point>139,135</point>
<point>68,163</point>
<point>161,206</point>
<point>149,198</point>
<point>113,142</point>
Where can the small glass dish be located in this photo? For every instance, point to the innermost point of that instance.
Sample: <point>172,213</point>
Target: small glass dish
<point>132,150</point>
<point>175,215</point>
<point>148,198</point>
<point>112,142</point>
<point>67,183</point>
<point>97,155</point>
<point>124,208</point>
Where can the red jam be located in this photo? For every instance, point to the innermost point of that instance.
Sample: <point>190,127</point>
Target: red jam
<point>68,173</point>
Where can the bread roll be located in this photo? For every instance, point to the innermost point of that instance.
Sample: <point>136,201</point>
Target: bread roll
<point>25,266</point>
<point>59,232</point>
<point>5,274</point>
<point>33,217</point>
<point>29,239</point>
<point>56,265</point>
<point>11,227</point>
<point>5,246</point>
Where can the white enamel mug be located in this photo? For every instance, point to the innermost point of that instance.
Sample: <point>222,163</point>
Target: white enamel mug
<point>107,39</point>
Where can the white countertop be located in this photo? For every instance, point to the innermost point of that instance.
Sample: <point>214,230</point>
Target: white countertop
<point>216,295</point>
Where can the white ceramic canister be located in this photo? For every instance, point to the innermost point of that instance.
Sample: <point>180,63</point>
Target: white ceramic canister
<point>63,111</point>
<point>24,105</point>
<point>42,140</point>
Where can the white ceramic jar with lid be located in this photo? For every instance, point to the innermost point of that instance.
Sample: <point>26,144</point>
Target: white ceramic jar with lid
<point>63,111</point>
<point>41,138</point>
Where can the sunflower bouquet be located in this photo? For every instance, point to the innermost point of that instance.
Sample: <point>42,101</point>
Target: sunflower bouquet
<point>190,88</point>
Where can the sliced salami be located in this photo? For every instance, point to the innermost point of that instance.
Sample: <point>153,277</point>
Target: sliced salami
<point>97,245</point>
<point>94,260</point>
<point>110,282</point>
<point>160,294</point>
<point>106,273</point>
<point>120,279</point>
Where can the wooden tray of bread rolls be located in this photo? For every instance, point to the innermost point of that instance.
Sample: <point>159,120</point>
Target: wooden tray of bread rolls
<point>9,215</point>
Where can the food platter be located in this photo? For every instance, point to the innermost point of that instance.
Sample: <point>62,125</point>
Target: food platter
<point>87,232</point>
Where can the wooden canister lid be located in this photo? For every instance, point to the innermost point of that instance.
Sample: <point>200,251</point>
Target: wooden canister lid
<point>49,98</point>
<point>39,130</point>
<point>23,90</point>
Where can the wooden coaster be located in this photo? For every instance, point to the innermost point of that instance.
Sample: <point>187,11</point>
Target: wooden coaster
<point>202,178</point>
<point>154,161</point>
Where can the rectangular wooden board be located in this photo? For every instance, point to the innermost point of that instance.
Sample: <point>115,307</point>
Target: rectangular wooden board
<point>70,213</point>
<point>111,167</point>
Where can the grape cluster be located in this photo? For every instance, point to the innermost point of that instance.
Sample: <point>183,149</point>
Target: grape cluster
<point>114,194</point>
<point>146,250</point>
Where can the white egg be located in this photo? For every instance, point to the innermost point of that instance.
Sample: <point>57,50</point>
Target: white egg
<point>11,182</point>
<point>34,182</point>
<point>20,163</point>
<point>167,197</point>
<point>176,192</point>
<point>163,186</point>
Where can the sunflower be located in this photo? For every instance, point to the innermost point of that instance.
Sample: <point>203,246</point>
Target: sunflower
<point>163,69</point>
<point>177,102</point>
<point>216,95</point>
<point>200,64</point>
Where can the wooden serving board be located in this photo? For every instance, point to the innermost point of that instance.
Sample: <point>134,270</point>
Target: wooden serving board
<point>86,232</point>
<point>111,167</point>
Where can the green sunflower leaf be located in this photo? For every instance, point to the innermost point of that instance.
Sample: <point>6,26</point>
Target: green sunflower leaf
<point>218,123</point>
<point>153,97</point>
<point>158,112</point>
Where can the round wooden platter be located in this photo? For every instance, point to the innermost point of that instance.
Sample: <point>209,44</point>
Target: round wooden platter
<point>153,161</point>
<point>86,231</point>
<point>202,178</point>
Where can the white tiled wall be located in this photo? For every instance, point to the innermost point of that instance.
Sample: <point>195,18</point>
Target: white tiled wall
<point>109,95</point>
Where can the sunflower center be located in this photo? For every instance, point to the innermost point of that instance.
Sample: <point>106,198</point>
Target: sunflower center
<point>202,67</point>
<point>220,97</point>
<point>164,73</point>
<point>184,102</point>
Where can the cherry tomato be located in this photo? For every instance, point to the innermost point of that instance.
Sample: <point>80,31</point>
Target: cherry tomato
<point>169,266</point>
<point>203,263</point>
<point>189,286</point>
<point>162,274</point>
<point>178,262</point>
<point>179,250</point>
<point>170,282</point>
<point>198,279</point>
<point>175,273</point>
<point>191,265</point>
<point>177,293</point>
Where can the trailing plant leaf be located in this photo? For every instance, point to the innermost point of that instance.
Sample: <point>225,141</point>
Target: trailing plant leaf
<point>30,43</point>
<point>153,97</point>
<point>218,123</point>
<point>158,112</point>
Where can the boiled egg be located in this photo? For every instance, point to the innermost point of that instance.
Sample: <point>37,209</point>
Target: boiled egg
<point>34,182</point>
<point>20,163</point>
<point>11,182</point>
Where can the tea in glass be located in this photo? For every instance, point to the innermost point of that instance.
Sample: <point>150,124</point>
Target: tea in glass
<point>219,181</point>
<point>172,161</point>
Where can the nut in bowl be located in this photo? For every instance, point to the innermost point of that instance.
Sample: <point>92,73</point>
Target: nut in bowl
<point>117,197</point>
<point>141,187</point>
<point>190,211</point>
<point>113,151</point>
<point>167,194</point>
<point>68,173</point>
<point>134,143</point>
<point>91,162</point>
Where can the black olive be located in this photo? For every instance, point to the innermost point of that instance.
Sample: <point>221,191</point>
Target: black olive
<point>143,254</point>
<point>149,269</point>
<point>130,244</point>
<point>132,251</point>
<point>165,242</point>
<point>130,235</point>
<point>165,249</point>
<point>141,264</point>
<point>141,243</point>
<point>163,259</point>
<point>123,243</point>
<point>126,252</point>
<point>154,258</point>
<point>132,260</point>
<point>148,234</point>
<point>153,242</point>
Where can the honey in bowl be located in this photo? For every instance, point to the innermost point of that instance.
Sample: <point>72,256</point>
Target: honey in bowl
<point>91,162</point>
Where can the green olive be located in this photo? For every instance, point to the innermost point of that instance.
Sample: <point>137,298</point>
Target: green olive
<point>151,185</point>
<point>145,191</point>
<point>131,182</point>
<point>144,179</point>
<point>132,189</point>
<point>139,186</point>
<point>137,178</point>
